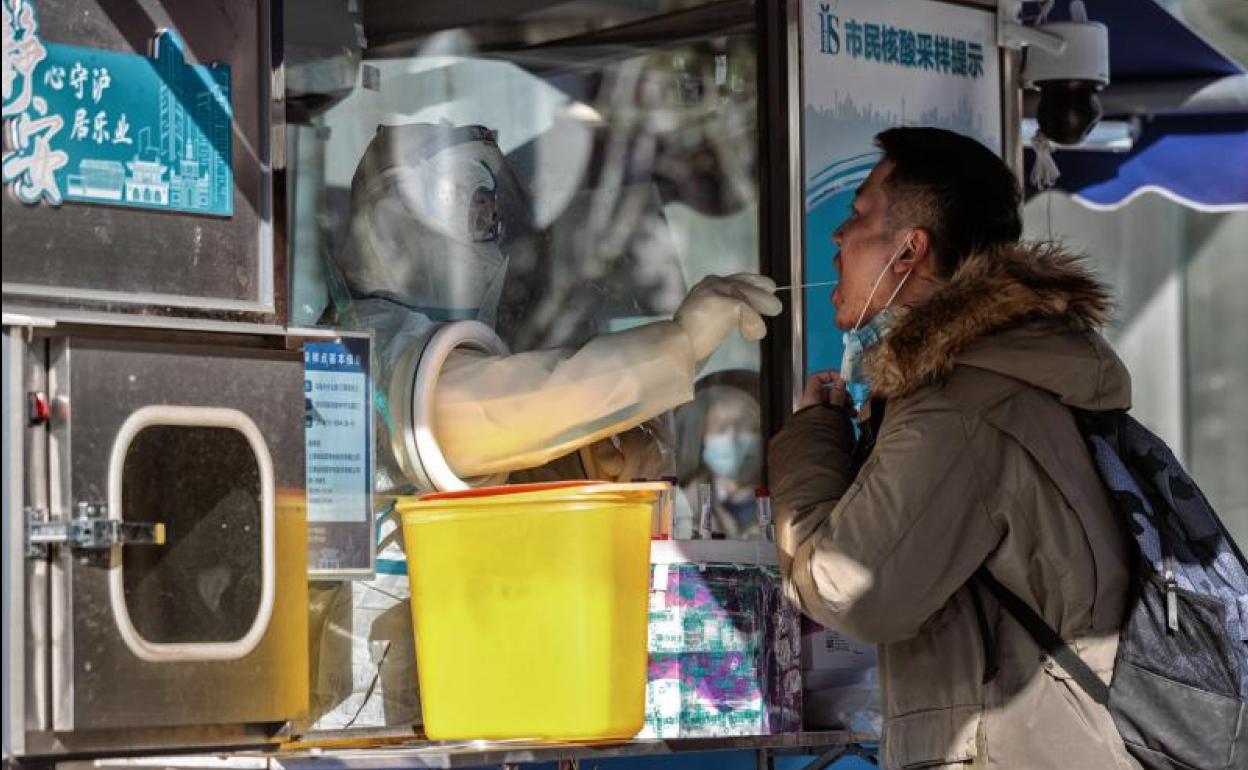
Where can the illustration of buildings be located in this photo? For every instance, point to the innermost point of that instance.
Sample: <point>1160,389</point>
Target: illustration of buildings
<point>190,188</point>
<point>98,179</point>
<point>146,183</point>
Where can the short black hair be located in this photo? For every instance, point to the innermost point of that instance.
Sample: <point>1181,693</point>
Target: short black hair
<point>953,187</point>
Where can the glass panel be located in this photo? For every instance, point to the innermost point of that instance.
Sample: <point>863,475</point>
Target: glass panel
<point>1216,374</point>
<point>203,585</point>
<point>609,150</point>
<point>1180,326</point>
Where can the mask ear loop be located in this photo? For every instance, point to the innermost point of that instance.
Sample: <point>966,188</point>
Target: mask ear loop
<point>897,291</point>
<point>880,277</point>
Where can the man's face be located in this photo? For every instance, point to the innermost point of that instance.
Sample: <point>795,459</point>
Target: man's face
<point>864,247</point>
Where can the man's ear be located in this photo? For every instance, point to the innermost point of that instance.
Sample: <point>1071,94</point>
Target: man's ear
<point>919,255</point>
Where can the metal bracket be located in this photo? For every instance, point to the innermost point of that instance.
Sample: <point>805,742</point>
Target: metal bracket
<point>1011,33</point>
<point>837,753</point>
<point>89,529</point>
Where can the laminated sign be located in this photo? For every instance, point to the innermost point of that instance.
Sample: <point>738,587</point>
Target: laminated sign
<point>87,125</point>
<point>338,421</point>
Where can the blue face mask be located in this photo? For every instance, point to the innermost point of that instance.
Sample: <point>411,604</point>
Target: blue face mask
<point>729,454</point>
<point>862,338</point>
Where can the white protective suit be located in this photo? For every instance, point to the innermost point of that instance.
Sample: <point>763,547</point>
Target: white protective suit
<point>436,214</point>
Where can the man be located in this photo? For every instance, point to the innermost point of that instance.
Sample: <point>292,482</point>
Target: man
<point>974,346</point>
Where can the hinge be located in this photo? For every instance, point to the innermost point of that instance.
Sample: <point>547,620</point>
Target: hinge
<point>90,528</point>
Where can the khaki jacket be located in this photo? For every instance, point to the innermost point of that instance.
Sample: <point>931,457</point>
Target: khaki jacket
<point>977,461</point>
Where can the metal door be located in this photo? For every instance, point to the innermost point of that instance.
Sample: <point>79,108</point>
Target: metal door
<point>210,627</point>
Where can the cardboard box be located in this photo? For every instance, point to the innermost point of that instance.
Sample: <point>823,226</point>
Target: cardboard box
<point>840,680</point>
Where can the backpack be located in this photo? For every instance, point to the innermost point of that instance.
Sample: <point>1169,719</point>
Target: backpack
<point>1179,691</point>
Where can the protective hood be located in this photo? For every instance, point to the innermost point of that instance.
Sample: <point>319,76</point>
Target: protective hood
<point>1028,311</point>
<point>435,213</point>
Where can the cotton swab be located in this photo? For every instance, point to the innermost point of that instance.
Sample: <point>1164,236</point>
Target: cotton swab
<point>806,285</point>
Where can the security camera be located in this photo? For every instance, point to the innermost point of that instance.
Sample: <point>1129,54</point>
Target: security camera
<point>1069,75</point>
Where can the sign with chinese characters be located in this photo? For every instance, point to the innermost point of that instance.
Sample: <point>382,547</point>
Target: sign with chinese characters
<point>338,428</point>
<point>93,126</point>
<point>870,65</point>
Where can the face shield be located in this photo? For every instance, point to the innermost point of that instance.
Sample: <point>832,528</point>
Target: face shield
<point>435,214</point>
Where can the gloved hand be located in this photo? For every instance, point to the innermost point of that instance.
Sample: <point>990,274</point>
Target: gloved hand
<point>717,305</point>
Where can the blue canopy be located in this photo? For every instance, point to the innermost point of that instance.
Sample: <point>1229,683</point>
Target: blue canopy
<point>1199,158</point>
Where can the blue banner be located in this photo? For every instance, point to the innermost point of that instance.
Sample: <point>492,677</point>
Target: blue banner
<point>869,65</point>
<point>93,126</point>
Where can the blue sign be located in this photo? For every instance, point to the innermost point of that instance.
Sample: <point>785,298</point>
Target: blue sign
<point>93,126</point>
<point>867,66</point>
<point>900,46</point>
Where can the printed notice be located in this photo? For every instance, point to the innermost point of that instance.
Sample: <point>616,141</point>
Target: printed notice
<point>338,420</point>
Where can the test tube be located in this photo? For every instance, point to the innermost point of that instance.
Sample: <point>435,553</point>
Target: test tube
<point>706,503</point>
<point>762,508</point>
<point>664,531</point>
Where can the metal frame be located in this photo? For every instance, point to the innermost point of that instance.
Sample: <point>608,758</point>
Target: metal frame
<point>505,754</point>
<point>296,337</point>
<point>14,569</point>
<point>165,415</point>
<point>797,210</point>
<point>1012,110</point>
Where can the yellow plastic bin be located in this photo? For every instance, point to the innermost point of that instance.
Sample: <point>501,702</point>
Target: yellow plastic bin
<point>530,608</point>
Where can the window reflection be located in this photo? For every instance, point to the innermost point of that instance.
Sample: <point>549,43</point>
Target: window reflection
<point>721,453</point>
<point>631,135</point>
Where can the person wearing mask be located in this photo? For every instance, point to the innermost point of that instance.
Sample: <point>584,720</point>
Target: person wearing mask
<point>729,462</point>
<point>972,347</point>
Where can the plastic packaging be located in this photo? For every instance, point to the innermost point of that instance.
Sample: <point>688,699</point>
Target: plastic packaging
<point>529,605</point>
<point>841,681</point>
<point>682,520</point>
<point>724,653</point>
<point>762,507</point>
<point>660,524</point>
<point>706,509</point>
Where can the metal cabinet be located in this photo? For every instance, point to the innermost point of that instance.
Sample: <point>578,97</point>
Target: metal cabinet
<point>165,539</point>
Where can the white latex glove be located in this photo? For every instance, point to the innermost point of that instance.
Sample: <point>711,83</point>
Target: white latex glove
<point>718,305</point>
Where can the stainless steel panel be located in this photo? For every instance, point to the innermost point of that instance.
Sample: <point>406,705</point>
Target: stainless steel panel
<point>144,740</point>
<point>797,197</point>
<point>38,709</point>
<point>98,682</point>
<point>1012,111</point>
<point>125,260</point>
<point>13,352</point>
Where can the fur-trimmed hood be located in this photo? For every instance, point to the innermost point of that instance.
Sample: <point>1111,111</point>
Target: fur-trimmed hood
<point>1031,311</point>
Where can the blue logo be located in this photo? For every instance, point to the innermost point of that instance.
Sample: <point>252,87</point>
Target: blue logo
<point>898,46</point>
<point>829,30</point>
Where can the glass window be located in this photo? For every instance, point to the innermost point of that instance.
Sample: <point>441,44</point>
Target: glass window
<point>616,160</point>
<point>204,583</point>
<point>1180,325</point>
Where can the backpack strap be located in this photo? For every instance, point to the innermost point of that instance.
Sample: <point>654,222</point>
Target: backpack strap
<point>1047,638</point>
<point>986,638</point>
